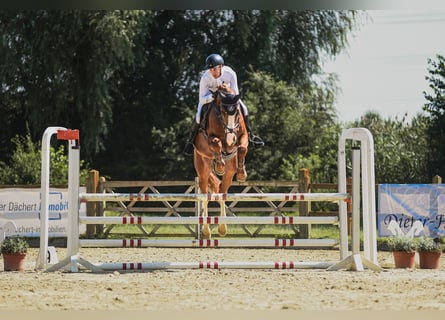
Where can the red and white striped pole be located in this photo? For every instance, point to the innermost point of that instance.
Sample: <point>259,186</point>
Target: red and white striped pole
<point>128,266</point>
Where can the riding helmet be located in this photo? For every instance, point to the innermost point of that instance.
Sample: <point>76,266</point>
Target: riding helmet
<point>213,60</point>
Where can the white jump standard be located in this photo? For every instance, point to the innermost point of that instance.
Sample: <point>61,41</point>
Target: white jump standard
<point>349,260</point>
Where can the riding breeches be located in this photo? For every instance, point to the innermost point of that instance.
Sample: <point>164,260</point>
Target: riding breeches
<point>198,112</point>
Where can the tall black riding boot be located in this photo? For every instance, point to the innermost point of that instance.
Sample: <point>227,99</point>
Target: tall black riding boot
<point>188,149</point>
<point>255,140</point>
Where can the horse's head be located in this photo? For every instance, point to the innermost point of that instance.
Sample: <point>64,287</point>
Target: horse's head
<point>229,111</point>
<point>229,102</point>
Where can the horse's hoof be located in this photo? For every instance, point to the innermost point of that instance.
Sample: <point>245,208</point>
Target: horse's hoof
<point>222,230</point>
<point>220,171</point>
<point>241,175</point>
<point>206,234</point>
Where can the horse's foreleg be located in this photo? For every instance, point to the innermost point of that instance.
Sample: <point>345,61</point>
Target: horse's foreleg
<point>216,148</point>
<point>222,227</point>
<point>241,173</point>
<point>203,168</point>
<point>206,233</point>
<point>220,165</point>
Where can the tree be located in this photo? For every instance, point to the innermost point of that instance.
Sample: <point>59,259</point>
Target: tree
<point>56,69</point>
<point>129,79</point>
<point>401,148</point>
<point>436,108</point>
<point>299,127</point>
<point>164,91</point>
<point>24,164</point>
<point>290,45</point>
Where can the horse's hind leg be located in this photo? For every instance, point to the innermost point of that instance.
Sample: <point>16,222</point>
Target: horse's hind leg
<point>214,184</point>
<point>226,181</point>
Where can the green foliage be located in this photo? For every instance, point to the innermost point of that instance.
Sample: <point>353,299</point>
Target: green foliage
<point>288,44</point>
<point>436,109</point>
<point>24,166</point>
<point>401,243</point>
<point>14,244</point>
<point>289,169</point>
<point>401,148</point>
<point>129,81</point>
<point>297,126</point>
<point>59,167</point>
<point>57,67</point>
<point>426,244</point>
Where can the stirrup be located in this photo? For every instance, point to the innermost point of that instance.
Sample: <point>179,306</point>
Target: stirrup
<point>256,140</point>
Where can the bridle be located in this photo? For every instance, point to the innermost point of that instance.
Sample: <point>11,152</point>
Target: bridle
<point>232,110</point>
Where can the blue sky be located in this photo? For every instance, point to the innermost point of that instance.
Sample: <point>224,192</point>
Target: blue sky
<point>384,67</point>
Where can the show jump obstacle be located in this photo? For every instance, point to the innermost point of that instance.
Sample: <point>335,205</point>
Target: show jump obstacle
<point>362,157</point>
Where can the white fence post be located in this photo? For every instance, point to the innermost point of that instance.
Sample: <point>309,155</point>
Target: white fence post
<point>42,257</point>
<point>365,138</point>
<point>73,163</point>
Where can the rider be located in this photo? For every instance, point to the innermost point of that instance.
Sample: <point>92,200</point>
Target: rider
<point>217,76</point>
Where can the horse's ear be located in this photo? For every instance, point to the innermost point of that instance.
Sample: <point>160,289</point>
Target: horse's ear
<point>238,96</point>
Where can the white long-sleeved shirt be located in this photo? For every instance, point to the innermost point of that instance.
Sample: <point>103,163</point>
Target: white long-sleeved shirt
<point>207,83</point>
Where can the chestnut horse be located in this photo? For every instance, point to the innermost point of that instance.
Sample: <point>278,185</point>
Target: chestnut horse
<point>220,149</point>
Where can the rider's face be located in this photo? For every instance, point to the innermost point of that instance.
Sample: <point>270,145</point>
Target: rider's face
<point>216,71</point>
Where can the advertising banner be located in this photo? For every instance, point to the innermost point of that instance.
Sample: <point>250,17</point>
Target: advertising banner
<point>411,209</point>
<point>20,212</point>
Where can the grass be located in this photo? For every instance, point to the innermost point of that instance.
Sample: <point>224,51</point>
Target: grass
<point>321,231</point>
<point>277,231</point>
